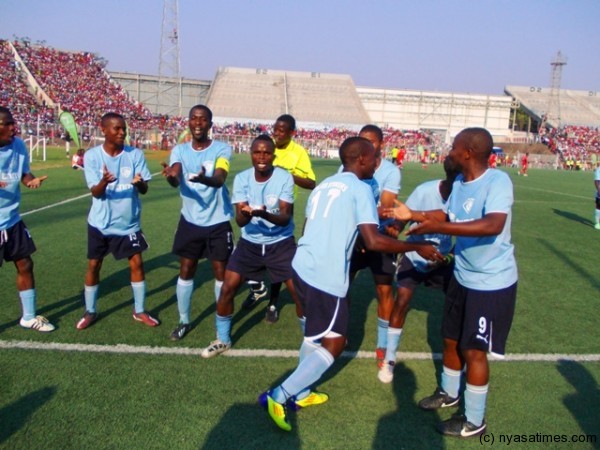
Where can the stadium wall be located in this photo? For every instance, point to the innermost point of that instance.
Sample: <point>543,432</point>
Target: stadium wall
<point>447,113</point>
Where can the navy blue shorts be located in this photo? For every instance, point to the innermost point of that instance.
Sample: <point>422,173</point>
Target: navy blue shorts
<point>214,242</point>
<point>324,312</point>
<point>121,247</point>
<point>409,277</point>
<point>251,260</point>
<point>16,243</point>
<point>379,263</point>
<point>479,320</point>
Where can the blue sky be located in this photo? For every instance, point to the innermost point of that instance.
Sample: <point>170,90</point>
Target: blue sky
<point>450,46</point>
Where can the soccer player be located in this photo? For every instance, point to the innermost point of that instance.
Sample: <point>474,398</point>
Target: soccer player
<point>524,164</point>
<point>16,244</point>
<point>481,296</point>
<point>263,197</point>
<point>414,270</point>
<point>199,168</point>
<point>337,210</point>
<point>597,185</point>
<point>115,174</point>
<point>386,185</point>
<point>294,158</point>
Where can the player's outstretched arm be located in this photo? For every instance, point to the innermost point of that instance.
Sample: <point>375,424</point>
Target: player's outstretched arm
<point>31,181</point>
<point>171,173</point>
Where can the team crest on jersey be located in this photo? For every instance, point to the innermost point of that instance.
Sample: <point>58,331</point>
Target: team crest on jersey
<point>270,201</point>
<point>125,171</point>
<point>468,205</point>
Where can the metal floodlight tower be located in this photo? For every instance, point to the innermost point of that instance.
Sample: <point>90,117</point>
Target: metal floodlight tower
<point>553,112</point>
<point>169,80</point>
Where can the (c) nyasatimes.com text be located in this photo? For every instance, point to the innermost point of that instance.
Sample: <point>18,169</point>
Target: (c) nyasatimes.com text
<point>508,439</point>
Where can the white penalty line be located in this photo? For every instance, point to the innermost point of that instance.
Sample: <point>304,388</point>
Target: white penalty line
<point>253,353</point>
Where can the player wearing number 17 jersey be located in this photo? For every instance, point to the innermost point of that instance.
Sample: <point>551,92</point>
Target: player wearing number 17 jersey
<point>337,210</point>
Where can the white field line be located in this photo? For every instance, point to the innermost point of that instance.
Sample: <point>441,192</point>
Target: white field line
<point>557,193</point>
<point>250,353</point>
<point>69,200</point>
<point>55,204</point>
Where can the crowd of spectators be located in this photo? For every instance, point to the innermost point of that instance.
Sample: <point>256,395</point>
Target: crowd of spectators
<point>14,93</point>
<point>574,145</point>
<point>77,82</point>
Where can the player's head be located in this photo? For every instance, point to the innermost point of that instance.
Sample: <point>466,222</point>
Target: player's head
<point>471,145</point>
<point>114,129</point>
<point>7,126</point>
<point>200,121</point>
<point>262,152</point>
<point>374,135</point>
<point>283,130</point>
<point>358,156</point>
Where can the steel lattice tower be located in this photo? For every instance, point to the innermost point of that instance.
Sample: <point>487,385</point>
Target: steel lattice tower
<point>553,112</point>
<point>169,80</point>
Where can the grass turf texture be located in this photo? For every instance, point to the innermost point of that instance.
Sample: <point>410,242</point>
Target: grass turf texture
<point>67,400</point>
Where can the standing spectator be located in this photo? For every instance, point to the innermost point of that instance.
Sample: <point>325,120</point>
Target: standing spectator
<point>263,197</point>
<point>115,174</point>
<point>337,210</point>
<point>199,168</point>
<point>16,244</point>
<point>480,301</point>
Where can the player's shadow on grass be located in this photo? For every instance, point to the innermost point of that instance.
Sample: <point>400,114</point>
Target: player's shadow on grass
<point>567,261</point>
<point>584,401</point>
<point>16,415</point>
<point>408,426</point>
<point>572,216</point>
<point>248,426</point>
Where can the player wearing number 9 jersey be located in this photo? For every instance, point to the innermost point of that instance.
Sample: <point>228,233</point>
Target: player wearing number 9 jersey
<point>337,210</point>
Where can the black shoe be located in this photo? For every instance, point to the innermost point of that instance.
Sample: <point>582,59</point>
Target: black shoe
<point>272,315</point>
<point>458,426</point>
<point>255,295</point>
<point>439,399</point>
<point>179,332</point>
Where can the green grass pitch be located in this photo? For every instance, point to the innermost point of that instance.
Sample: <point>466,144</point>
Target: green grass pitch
<point>58,399</point>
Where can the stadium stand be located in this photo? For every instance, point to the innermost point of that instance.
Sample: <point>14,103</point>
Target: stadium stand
<point>38,82</point>
<point>260,94</point>
<point>581,108</point>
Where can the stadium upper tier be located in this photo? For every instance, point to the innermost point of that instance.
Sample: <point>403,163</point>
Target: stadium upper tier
<point>261,94</point>
<point>569,107</point>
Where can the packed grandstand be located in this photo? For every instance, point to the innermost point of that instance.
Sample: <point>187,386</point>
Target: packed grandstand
<point>38,82</point>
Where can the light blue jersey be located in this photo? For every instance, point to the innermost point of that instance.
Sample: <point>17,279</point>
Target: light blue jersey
<point>280,186</point>
<point>333,212</point>
<point>386,178</point>
<point>14,163</point>
<point>597,178</point>
<point>117,212</point>
<point>483,263</point>
<point>427,197</point>
<point>202,205</point>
